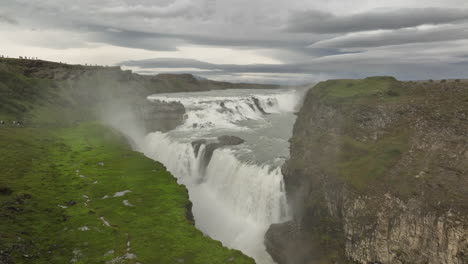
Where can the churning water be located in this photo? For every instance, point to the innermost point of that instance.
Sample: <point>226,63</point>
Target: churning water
<point>238,191</point>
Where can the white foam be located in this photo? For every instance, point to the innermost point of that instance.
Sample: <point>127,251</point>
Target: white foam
<point>228,108</point>
<point>246,198</point>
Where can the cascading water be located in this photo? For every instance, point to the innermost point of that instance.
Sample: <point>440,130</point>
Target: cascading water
<point>237,192</point>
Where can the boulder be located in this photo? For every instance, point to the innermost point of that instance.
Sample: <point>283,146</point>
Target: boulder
<point>230,140</point>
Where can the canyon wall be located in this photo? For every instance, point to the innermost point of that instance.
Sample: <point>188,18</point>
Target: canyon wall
<point>378,174</point>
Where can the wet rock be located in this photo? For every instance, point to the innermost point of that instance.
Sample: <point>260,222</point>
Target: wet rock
<point>259,107</point>
<point>222,141</point>
<point>211,146</point>
<point>21,198</point>
<point>188,213</point>
<point>5,190</point>
<point>230,140</point>
<point>14,209</point>
<point>26,196</point>
<point>197,144</point>
<point>160,116</point>
<point>70,203</point>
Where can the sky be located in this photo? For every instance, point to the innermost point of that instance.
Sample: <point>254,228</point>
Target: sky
<point>265,41</point>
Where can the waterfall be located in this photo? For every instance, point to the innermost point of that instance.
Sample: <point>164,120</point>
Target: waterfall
<point>234,199</point>
<point>206,111</point>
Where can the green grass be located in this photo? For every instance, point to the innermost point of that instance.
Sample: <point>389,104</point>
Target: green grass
<point>360,163</point>
<point>32,99</point>
<point>356,91</point>
<point>45,169</point>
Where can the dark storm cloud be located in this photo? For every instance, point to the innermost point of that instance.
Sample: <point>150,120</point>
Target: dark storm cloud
<point>314,21</point>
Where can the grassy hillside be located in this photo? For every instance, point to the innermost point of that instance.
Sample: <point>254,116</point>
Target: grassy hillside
<point>72,190</point>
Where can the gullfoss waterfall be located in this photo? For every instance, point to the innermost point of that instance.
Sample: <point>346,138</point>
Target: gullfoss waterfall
<point>236,189</point>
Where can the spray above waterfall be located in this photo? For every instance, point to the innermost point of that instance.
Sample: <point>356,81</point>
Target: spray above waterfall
<point>228,154</point>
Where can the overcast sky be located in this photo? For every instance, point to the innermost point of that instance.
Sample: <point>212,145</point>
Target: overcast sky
<point>273,41</point>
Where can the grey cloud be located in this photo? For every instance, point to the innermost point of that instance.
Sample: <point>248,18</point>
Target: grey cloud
<point>231,68</point>
<point>8,20</point>
<point>314,21</point>
<point>134,39</point>
<point>169,63</point>
<point>170,41</point>
<point>177,8</point>
<point>394,37</point>
<point>166,25</point>
<point>173,25</point>
<point>172,9</point>
<point>426,61</point>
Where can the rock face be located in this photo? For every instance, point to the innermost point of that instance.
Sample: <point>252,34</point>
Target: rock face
<point>211,145</point>
<point>378,174</point>
<point>160,116</point>
<point>230,140</point>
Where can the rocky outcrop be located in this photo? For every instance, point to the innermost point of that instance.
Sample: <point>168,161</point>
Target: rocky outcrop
<point>209,146</point>
<point>160,116</point>
<point>377,174</point>
<point>230,140</point>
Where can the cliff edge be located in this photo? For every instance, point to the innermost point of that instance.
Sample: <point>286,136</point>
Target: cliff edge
<point>378,174</point>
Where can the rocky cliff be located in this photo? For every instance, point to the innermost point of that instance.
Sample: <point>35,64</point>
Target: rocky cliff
<point>378,174</point>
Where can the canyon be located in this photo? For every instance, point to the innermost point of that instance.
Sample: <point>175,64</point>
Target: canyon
<point>362,171</point>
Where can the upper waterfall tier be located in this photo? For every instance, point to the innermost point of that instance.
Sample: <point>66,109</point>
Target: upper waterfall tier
<point>227,109</point>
